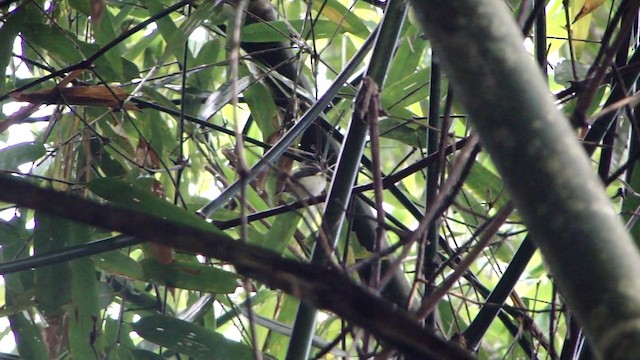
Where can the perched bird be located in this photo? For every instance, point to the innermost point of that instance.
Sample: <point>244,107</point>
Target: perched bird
<point>307,181</point>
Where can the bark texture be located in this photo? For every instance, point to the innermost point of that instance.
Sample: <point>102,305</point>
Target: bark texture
<point>546,170</point>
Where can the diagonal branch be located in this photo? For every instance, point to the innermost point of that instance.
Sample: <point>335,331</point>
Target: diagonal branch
<point>339,295</point>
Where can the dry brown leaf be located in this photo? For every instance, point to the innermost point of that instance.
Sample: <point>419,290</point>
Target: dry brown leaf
<point>92,95</point>
<point>146,156</point>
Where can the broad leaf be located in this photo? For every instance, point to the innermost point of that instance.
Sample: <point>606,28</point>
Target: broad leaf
<point>16,155</point>
<point>190,339</point>
<point>193,276</point>
<point>135,197</point>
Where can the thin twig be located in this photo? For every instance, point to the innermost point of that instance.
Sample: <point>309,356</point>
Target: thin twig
<point>435,208</point>
<point>429,304</point>
<point>241,166</point>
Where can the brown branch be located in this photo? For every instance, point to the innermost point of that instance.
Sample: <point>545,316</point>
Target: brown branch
<point>325,287</point>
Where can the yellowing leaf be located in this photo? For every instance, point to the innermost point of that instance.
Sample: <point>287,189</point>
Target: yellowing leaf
<point>587,8</point>
<point>340,15</point>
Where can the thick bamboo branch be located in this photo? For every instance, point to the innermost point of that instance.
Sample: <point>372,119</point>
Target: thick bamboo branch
<point>547,172</point>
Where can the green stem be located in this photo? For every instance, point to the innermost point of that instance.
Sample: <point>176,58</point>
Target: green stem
<point>345,174</point>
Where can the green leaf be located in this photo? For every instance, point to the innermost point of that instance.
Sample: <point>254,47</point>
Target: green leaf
<point>407,91</point>
<point>581,23</point>
<point>141,44</point>
<point>193,276</point>
<point>281,232</point>
<point>26,333</point>
<point>340,15</point>
<point>55,42</point>
<point>119,352</point>
<point>222,96</point>
<point>263,108</point>
<point>113,330</point>
<point>106,160</point>
<point>408,55</point>
<point>176,43</point>
<point>53,283</point>
<point>16,155</point>
<point>505,251</point>
<point>487,186</point>
<point>145,355</point>
<point>405,131</point>
<point>135,197</point>
<point>8,32</point>
<point>174,37</point>
<point>105,34</point>
<point>28,338</point>
<point>278,343</point>
<point>115,262</point>
<point>82,6</point>
<point>209,53</point>
<point>84,310</point>
<point>189,339</point>
<point>106,295</point>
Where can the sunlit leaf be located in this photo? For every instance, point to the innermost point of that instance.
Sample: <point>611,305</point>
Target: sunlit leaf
<point>16,155</point>
<point>340,15</point>
<point>411,89</point>
<point>487,186</point>
<point>174,37</point>
<point>222,96</point>
<point>8,33</point>
<point>587,8</point>
<point>190,339</point>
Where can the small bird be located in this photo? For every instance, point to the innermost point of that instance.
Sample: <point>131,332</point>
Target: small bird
<point>307,181</point>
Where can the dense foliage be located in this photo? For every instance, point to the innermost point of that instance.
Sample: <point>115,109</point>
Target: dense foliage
<point>195,113</point>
